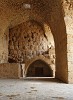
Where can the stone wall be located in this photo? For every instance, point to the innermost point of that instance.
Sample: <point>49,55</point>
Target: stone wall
<point>68,7</point>
<point>26,41</point>
<point>4,46</point>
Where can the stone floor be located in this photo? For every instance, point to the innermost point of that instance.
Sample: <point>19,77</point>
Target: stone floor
<point>35,89</point>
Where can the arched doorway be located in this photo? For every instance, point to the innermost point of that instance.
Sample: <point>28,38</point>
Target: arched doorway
<point>39,69</point>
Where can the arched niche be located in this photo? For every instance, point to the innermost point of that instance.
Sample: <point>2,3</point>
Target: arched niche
<point>39,68</point>
<point>58,31</point>
<point>41,59</point>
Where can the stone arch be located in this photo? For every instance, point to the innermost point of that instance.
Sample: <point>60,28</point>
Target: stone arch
<point>60,40</point>
<point>39,69</point>
<point>53,16</point>
<point>40,57</point>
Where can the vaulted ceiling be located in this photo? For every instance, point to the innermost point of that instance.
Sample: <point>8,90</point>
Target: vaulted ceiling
<point>13,12</point>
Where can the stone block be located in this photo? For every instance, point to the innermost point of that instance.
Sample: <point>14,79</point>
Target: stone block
<point>9,70</point>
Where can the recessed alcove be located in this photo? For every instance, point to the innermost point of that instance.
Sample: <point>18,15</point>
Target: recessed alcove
<point>39,69</point>
<point>30,40</point>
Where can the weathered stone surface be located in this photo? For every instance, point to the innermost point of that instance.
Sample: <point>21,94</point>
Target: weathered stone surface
<point>9,70</point>
<point>30,41</point>
<point>58,15</point>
